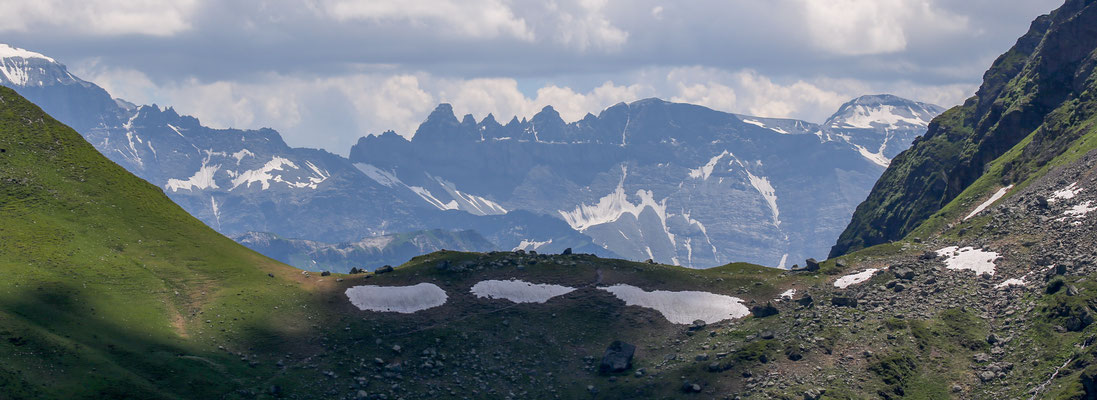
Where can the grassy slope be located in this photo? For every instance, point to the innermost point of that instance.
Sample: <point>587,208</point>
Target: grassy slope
<point>105,284</point>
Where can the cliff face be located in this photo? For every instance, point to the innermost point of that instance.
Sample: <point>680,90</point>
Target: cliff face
<point>1041,88</point>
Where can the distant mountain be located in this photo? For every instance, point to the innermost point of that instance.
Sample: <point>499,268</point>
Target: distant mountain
<point>366,254</point>
<point>880,127</point>
<point>676,183</point>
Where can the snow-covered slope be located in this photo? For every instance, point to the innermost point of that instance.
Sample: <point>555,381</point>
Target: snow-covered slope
<point>879,126</point>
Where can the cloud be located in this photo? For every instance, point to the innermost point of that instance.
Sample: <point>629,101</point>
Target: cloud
<point>859,27</point>
<point>99,17</point>
<point>469,18</point>
<point>584,26</point>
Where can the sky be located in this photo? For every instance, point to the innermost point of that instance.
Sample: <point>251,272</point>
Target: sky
<point>326,72</point>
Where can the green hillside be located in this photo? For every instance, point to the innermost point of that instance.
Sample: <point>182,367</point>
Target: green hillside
<point>105,284</point>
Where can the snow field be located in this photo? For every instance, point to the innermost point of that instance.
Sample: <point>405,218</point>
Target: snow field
<point>518,291</point>
<point>401,299</point>
<point>682,307</point>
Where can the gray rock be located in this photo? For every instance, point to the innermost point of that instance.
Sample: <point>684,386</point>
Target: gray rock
<point>617,358</point>
<point>764,310</point>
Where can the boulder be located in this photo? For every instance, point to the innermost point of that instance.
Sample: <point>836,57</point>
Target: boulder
<point>811,265</point>
<point>384,270</point>
<point>805,301</point>
<point>325,273</point>
<point>689,387</point>
<point>618,357</point>
<point>567,251</point>
<point>698,325</point>
<point>903,273</point>
<point>841,300</point>
<point>764,310</point>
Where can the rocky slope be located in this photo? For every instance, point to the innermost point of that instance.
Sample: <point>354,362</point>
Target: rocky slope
<point>1039,91</point>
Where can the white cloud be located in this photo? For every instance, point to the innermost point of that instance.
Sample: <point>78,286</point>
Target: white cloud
<point>575,24</point>
<point>470,18</point>
<point>99,17</point>
<point>859,27</point>
<point>587,26</point>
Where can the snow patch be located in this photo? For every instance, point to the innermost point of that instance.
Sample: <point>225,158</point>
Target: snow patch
<point>755,123</point>
<point>1066,193</point>
<point>612,206</point>
<point>378,175</point>
<point>1079,211</point>
<point>877,158</point>
<point>528,245</point>
<point>216,211</point>
<point>864,118</point>
<point>997,195</point>
<point>519,291</point>
<point>1011,282</point>
<point>201,180</point>
<point>7,51</point>
<point>705,171</point>
<point>239,156</point>
<point>982,262</point>
<point>401,299</point>
<point>682,307</point>
<point>470,203</point>
<point>264,175</point>
<point>853,279</point>
<point>176,130</point>
<point>787,295</point>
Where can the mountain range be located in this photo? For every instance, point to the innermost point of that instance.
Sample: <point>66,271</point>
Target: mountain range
<point>675,183</point>
<point>112,290</point>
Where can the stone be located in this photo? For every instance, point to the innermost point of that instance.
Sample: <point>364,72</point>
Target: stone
<point>814,394</point>
<point>843,301</point>
<point>811,265</point>
<point>903,273</point>
<point>805,301</point>
<point>617,358</point>
<point>567,251</point>
<point>764,310</point>
<point>384,270</point>
<point>697,325</point>
<point>325,273</point>
<point>689,387</point>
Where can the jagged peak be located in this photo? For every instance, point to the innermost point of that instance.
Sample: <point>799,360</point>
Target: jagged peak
<point>548,113</point>
<point>468,120</point>
<point>443,111</point>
